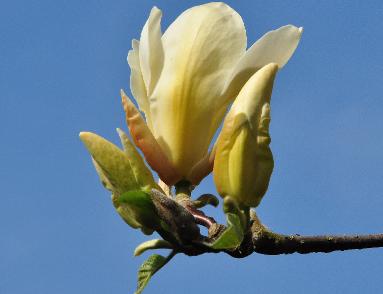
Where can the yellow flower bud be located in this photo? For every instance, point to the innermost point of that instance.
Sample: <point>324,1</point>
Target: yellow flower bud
<point>243,161</point>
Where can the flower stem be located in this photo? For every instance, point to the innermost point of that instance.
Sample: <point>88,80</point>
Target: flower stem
<point>183,190</point>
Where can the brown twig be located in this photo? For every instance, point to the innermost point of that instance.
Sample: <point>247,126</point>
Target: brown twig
<point>264,241</point>
<point>273,244</point>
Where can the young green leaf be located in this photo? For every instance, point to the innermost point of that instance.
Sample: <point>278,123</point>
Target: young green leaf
<point>150,266</point>
<point>138,206</point>
<point>125,213</point>
<point>232,236</point>
<point>120,171</point>
<point>112,163</point>
<point>142,174</point>
<point>152,244</point>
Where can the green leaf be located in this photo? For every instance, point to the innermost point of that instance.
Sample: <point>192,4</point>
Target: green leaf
<point>152,244</point>
<point>150,266</point>
<point>119,170</point>
<point>125,213</point>
<point>103,178</point>
<point>113,164</point>
<point>138,205</point>
<point>232,236</point>
<point>141,172</point>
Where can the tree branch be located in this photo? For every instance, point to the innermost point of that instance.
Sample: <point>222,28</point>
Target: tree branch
<point>272,244</point>
<point>267,242</point>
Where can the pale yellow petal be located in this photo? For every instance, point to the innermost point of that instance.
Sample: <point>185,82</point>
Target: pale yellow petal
<point>201,47</point>
<point>137,84</point>
<point>151,50</point>
<point>144,139</point>
<point>202,168</point>
<point>276,46</point>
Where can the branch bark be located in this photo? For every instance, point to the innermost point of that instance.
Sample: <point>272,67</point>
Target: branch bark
<point>273,244</point>
<point>264,241</point>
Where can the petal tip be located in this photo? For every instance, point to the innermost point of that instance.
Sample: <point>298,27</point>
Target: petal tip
<point>84,135</point>
<point>124,99</point>
<point>273,66</point>
<point>155,9</point>
<point>87,139</point>
<point>135,44</point>
<point>127,104</point>
<point>119,131</point>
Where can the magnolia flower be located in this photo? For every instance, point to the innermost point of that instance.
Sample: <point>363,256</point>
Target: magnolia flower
<point>184,80</point>
<point>243,161</point>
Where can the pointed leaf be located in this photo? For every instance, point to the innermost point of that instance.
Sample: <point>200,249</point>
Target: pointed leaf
<point>139,206</point>
<point>103,178</point>
<point>112,161</point>
<point>125,213</point>
<point>150,266</point>
<point>141,172</point>
<point>232,236</point>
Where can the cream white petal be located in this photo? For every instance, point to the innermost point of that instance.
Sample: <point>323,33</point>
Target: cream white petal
<point>151,50</point>
<point>144,139</point>
<point>137,85</point>
<point>276,46</point>
<point>201,47</point>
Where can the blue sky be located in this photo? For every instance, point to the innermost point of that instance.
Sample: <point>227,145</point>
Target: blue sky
<point>62,64</point>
